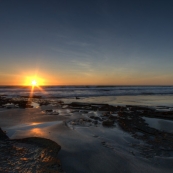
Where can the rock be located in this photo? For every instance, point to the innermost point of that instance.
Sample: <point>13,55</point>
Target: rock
<point>3,135</point>
<point>95,117</point>
<point>28,106</point>
<point>73,123</point>
<point>34,96</point>
<point>84,112</point>
<point>95,122</point>
<point>81,121</point>
<point>108,122</point>
<point>111,117</point>
<point>44,103</point>
<point>32,154</point>
<point>87,120</point>
<point>92,116</point>
<point>49,110</point>
<point>60,102</point>
<point>106,114</point>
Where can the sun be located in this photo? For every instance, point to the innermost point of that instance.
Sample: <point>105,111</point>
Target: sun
<point>34,82</point>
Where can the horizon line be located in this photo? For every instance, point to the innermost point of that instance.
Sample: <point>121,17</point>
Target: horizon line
<point>81,85</point>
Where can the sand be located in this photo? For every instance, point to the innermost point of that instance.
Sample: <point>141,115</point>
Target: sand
<point>86,147</point>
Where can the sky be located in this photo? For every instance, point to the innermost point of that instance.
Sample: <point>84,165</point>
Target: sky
<point>86,42</point>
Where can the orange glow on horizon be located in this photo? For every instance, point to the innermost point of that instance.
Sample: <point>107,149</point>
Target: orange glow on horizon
<point>46,78</point>
<point>34,81</point>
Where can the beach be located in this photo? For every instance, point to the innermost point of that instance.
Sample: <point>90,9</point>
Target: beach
<point>98,134</point>
<point>86,86</point>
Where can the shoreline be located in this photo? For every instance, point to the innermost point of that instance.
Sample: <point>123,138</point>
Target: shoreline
<point>99,131</point>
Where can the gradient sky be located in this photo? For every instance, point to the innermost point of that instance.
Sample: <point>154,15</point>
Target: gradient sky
<point>98,42</point>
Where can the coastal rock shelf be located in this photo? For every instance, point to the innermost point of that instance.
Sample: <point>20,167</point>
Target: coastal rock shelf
<point>29,155</point>
<point>129,119</point>
<point>26,102</point>
<point>87,132</point>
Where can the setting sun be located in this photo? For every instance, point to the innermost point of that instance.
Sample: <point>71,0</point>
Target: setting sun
<point>34,82</point>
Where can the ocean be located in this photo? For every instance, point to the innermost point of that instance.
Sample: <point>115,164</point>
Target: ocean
<point>85,91</point>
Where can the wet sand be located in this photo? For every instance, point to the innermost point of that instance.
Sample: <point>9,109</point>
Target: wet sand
<point>96,138</point>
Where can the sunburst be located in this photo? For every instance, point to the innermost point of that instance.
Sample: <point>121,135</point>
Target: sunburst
<point>34,82</point>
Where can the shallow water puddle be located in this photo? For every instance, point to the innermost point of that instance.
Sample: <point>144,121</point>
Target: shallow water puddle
<point>30,126</point>
<point>160,124</point>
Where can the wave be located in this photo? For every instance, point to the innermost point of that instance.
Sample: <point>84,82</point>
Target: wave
<point>87,91</point>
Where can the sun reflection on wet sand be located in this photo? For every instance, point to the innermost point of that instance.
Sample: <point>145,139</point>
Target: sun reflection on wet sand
<point>34,124</point>
<point>37,132</point>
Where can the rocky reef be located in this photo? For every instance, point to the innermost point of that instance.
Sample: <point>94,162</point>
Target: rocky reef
<point>29,155</point>
<point>131,120</point>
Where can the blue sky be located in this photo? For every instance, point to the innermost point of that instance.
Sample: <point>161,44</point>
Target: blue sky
<point>87,42</point>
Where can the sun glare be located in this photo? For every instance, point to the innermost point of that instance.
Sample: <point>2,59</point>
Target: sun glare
<point>34,83</point>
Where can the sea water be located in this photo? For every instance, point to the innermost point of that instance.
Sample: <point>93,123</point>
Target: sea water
<point>86,91</point>
<point>114,95</point>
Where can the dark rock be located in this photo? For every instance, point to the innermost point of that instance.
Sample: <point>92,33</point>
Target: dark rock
<point>28,106</point>
<point>108,122</point>
<point>3,135</point>
<point>44,103</point>
<point>92,116</point>
<point>60,102</point>
<point>95,117</point>
<point>106,114</point>
<point>95,122</point>
<point>85,112</point>
<point>111,117</point>
<point>34,96</point>
<point>49,110</point>
<point>32,154</point>
<point>86,120</point>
